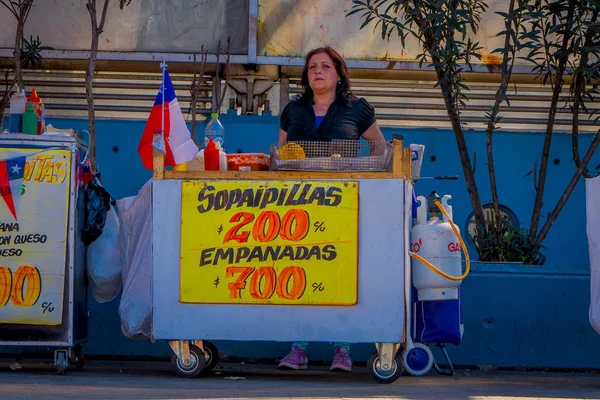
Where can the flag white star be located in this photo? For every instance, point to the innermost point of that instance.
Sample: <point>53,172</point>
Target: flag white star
<point>16,169</point>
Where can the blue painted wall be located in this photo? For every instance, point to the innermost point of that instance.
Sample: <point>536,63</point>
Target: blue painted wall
<point>514,316</point>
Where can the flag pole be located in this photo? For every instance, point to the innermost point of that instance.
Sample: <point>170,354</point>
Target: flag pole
<point>159,145</point>
<point>163,65</point>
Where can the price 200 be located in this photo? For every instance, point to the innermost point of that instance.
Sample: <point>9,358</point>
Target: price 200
<point>269,225</point>
<point>289,285</point>
<point>22,288</point>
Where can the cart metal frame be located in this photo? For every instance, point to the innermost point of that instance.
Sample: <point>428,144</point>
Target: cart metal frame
<point>186,327</point>
<point>67,337</point>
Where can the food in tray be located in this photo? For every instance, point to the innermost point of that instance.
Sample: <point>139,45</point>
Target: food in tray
<point>248,162</point>
<point>291,151</point>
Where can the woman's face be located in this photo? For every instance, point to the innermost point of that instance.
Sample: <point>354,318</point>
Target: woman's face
<point>322,76</point>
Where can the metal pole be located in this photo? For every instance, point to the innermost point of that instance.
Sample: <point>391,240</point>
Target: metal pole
<point>252,30</point>
<point>163,65</point>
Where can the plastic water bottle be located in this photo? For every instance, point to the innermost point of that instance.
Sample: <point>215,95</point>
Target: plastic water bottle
<point>215,130</point>
<point>18,101</point>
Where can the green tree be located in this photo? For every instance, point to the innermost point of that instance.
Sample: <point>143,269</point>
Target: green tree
<point>566,42</point>
<point>97,22</point>
<point>20,10</point>
<point>441,28</point>
<point>26,52</point>
<point>557,37</point>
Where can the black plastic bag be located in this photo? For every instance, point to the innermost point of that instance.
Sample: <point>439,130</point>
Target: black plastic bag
<point>97,203</point>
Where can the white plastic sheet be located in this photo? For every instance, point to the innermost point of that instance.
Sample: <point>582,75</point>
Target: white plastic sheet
<point>135,309</point>
<point>104,261</point>
<point>593,232</point>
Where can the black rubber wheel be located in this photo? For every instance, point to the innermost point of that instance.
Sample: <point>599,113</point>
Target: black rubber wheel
<point>61,363</point>
<point>196,366</point>
<point>381,376</point>
<point>79,358</point>
<point>211,356</point>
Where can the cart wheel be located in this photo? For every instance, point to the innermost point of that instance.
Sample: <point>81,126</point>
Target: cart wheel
<point>382,376</point>
<point>60,361</point>
<point>418,360</point>
<point>211,356</point>
<point>78,357</point>
<point>197,363</point>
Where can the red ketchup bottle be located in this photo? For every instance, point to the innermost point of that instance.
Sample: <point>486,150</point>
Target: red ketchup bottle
<point>211,156</point>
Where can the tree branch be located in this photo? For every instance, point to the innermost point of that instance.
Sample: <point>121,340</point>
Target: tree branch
<point>537,207</point>
<point>500,97</point>
<point>89,82</point>
<point>563,199</point>
<point>23,12</point>
<point>103,18</point>
<point>579,85</point>
<point>12,9</point>
<point>28,9</point>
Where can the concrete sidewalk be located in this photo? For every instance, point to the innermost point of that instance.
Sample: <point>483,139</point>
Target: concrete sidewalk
<point>155,380</point>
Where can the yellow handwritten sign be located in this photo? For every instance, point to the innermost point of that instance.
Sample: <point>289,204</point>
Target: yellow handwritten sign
<point>252,242</point>
<point>34,200</point>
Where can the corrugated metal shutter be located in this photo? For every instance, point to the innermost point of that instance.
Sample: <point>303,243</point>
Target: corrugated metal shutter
<point>397,103</point>
<point>116,96</point>
<point>420,104</point>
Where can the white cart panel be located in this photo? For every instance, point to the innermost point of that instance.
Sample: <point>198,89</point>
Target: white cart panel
<point>377,317</point>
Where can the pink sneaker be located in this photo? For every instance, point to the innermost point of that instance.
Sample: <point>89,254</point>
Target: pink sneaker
<point>341,361</point>
<point>295,360</point>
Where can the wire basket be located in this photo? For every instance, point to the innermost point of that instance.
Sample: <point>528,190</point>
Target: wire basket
<point>335,155</point>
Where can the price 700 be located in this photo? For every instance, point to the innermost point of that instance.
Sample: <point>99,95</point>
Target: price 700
<point>272,283</point>
<point>11,287</point>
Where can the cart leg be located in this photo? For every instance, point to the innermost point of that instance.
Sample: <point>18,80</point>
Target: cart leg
<point>181,348</point>
<point>61,360</point>
<point>437,368</point>
<point>198,343</point>
<point>386,353</point>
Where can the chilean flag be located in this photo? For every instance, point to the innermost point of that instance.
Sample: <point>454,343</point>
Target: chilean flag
<point>11,180</point>
<point>179,146</point>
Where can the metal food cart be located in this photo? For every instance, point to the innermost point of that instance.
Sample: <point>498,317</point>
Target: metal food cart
<point>281,256</point>
<point>43,291</point>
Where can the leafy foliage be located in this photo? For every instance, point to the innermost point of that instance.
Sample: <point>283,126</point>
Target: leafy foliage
<point>519,34</point>
<point>441,27</point>
<point>508,243</point>
<point>30,52</point>
<point>558,37</point>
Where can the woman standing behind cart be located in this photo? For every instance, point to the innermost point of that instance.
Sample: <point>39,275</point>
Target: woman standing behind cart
<point>327,110</point>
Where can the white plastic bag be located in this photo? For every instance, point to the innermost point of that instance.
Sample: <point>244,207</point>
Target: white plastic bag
<point>104,261</point>
<point>135,309</point>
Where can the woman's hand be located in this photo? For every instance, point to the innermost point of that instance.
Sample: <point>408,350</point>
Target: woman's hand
<point>282,140</point>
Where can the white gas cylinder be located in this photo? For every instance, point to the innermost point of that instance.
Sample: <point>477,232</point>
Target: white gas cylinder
<point>433,239</point>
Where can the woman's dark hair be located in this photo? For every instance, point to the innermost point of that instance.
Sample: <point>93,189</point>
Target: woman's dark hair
<point>342,89</point>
